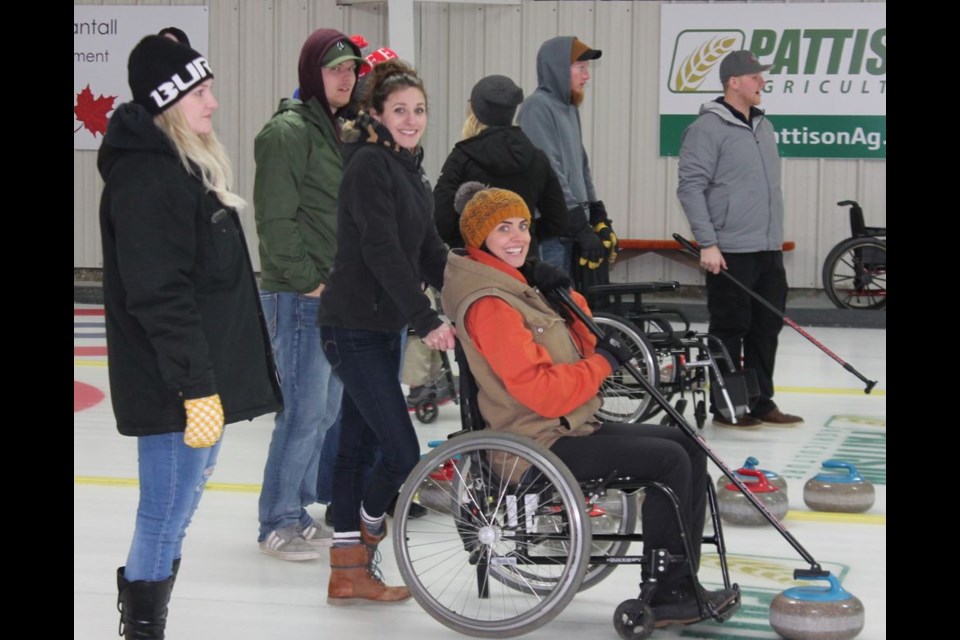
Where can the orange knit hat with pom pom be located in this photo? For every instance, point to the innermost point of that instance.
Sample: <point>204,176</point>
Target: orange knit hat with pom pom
<point>484,209</point>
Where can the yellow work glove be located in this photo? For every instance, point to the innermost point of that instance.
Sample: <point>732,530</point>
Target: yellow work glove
<point>609,240</point>
<point>204,421</point>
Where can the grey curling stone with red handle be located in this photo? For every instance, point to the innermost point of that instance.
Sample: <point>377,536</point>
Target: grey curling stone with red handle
<point>817,613</point>
<point>773,477</point>
<point>844,490</point>
<point>736,508</point>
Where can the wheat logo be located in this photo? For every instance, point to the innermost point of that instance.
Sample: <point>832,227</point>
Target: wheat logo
<point>689,75</point>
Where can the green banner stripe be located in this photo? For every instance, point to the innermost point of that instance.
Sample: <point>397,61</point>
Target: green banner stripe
<point>802,136</point>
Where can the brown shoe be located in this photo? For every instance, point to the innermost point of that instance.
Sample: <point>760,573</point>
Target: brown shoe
<point>370,541</point>
<point>354,580</point>
<point>778,418</point>
<point>745,422</point>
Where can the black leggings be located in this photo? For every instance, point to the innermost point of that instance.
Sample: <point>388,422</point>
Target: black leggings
<point>649,453</point>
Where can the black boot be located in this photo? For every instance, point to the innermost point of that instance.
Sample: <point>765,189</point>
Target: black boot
<point>143,606</point>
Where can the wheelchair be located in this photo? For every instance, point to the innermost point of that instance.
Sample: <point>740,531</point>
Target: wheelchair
<point>511,536</point>
<point>676,360</point>
<point>855,270</point>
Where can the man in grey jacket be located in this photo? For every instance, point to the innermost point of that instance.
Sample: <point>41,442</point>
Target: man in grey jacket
<point>551,119</point>
<point>729,187</point>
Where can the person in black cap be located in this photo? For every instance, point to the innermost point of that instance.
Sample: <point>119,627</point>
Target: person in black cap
<point>729,187</point>
<point>186,340</point>
<point>298,171</point>
<point>550,117</point>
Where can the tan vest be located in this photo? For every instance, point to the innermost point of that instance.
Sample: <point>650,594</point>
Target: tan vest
<point>466,281</point>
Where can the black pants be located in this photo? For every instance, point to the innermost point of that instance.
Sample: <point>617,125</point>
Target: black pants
<point>747,328</point>
<point>649,453</point>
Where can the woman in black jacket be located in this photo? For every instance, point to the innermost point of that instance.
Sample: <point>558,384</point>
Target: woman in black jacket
<point>387,245</point>
<point>496,153</point>
<point>186,340</point>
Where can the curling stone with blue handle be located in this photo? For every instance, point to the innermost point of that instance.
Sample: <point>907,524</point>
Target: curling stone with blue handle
<point>736,508</point>
<point>817,613</point>
<point>773,477</point>
<point>845,491</point>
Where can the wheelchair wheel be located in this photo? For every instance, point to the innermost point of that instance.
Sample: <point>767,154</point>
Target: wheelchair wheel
<point>624,398</point>
<point>855,274</point>
<point>514,550</point>
<point>427,411</point>
<point>614,512</point>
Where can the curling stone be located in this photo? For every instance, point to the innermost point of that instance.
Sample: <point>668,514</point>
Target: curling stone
<point>773,477</point>
<point>737,509</point>
<point>846,491</point>
<point>817,613</point>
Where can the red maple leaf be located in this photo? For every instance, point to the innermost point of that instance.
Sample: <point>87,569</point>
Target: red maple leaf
<point>92,112</point>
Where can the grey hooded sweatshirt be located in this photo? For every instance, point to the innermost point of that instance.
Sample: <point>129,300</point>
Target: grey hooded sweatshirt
<point>553,124</point>
<point>729,181</point>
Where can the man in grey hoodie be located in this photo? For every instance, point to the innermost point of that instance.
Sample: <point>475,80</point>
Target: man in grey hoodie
<point>551,119</point>
<point>729,187</point>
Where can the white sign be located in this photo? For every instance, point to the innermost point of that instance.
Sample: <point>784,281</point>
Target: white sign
<point>103,37</point>
<point>827,87</point>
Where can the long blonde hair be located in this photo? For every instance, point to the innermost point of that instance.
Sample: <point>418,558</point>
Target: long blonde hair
<point>471,126</point>
<point>203,152</point>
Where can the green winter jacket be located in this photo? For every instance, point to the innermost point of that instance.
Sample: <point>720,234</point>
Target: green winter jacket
<point>295,196</point>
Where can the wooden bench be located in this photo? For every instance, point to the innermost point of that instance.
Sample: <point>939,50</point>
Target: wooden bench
<point>630,247</point>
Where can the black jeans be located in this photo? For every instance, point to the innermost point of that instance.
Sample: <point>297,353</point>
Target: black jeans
<point>747,328</point>
<point>374,412</point>
<point>649,453</point>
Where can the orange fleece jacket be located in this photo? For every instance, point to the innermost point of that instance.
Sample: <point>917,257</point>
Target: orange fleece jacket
<point>527,370</point>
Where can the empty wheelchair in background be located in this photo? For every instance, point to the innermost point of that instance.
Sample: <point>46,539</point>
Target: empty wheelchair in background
<point>511,536</point>
<point>681,363</point>
<point>855,270</point>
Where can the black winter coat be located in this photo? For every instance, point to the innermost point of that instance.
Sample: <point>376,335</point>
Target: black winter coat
<point>182,309</point>
<point>501,157</point>
<point>387,244</point>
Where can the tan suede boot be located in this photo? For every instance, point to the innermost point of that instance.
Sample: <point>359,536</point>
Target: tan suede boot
<point>354,580</point>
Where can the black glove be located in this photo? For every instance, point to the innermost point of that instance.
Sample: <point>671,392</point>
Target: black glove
<point>612,347</point>
<point>591,248</point>
<point>545,276</point>
<point>609,240</point>
<point>598,213</point>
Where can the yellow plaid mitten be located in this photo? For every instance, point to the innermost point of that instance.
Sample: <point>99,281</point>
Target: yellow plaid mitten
<point>204,421</point>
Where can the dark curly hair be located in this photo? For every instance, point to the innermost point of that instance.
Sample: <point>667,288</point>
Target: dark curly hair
<point>384,79</point>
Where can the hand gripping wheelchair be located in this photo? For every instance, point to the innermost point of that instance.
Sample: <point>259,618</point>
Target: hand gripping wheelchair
<point>511,536</point>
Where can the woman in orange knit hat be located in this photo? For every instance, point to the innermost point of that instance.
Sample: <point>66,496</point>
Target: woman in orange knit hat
<point>539,373</point>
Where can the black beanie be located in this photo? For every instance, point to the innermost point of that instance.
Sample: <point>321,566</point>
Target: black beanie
<point>495,99</point>
<point>161,71</point>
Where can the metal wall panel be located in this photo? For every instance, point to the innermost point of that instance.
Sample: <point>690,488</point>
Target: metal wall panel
<point>254,50</point>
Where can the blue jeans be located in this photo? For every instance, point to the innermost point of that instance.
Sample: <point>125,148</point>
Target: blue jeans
<point>374,413</point>
<point>311,401</point>
<point>172,479</point>
<point>558,252</point>
<point>331,443</point>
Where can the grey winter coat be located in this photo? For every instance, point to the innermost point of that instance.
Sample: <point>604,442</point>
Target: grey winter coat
<point>729,181</point>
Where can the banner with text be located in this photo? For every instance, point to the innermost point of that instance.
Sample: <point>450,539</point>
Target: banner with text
<point>103,37</point>
<point>826,92</point>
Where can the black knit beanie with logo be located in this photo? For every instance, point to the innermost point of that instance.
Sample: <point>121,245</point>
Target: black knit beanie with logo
<point>161,72</point>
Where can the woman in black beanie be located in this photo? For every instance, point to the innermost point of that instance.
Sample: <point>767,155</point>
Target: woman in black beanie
<point>187,345</point>
<point>495,152</point>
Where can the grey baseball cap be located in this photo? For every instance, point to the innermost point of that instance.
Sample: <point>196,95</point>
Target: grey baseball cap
<point>741,63</point>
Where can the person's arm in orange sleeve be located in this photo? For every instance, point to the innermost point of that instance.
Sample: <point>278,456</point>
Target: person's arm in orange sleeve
<point>526,369</point>
<point>585,339</point>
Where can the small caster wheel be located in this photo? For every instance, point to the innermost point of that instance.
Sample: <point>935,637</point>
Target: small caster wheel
<point>427,412</point>
<point>700,413</point>
<point>633,620</point>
